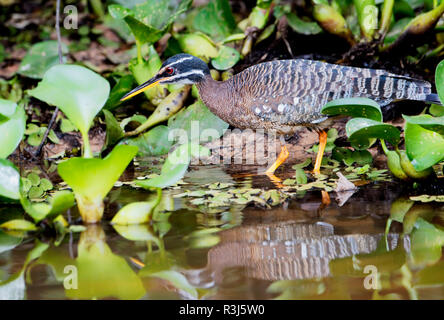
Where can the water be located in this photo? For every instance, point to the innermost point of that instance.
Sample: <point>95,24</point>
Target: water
<point>300,249</point>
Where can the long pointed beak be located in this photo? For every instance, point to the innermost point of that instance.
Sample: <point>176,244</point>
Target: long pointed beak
<point>145,86</point>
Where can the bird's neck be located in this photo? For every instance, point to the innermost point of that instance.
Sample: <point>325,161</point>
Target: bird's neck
<point>218,97</point>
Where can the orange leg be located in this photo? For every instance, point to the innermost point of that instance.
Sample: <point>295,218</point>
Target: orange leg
<point>322,143</point>
<point>280,160</point>
<point>325,198</point>
<point>270,171</point>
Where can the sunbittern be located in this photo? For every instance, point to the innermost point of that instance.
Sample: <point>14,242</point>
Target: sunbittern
<point>284,94</point>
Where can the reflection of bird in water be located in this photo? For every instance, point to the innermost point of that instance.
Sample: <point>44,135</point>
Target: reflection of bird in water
<point>288,250</point>
<point>282,95</point>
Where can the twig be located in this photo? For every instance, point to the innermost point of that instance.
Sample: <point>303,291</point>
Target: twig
<point>56,111</point>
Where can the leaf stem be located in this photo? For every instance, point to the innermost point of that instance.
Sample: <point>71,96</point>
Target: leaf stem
<point>139,52</point>
<point>86,146</point>
<point>384,147</point>
<point>98,8</point>
<point>386,16</point>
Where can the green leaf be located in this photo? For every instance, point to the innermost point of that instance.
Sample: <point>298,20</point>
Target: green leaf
<point>195,120</point>
<point>226,58</point>
<point>215,19</point>
<point>355,107</point>
<point>136,212</point>
<point>301,26</point>
<point>439,80</point>
<point>123,86</point>
<point>35,192</point>
<point>136,118</point>
<point>427,122</point>
<point>119,12</point>
<point>34,178</point>
<point>7,109</point>
<point>403,8</point>
<point>396,30</point>
<point>152,143</point>
<point>360,131</point>
<point>53,137</point>
<point>362,157</point>
<point>18,224</point>
<point>301,177</point>
<point>258,17</point>
<point>9,180</point>
<point>234,37</point>
<point>150,20</point>
<point>113,130</point>
<point>11,132</point>
<point>32,128</point>
<point>34,139</point>
<point>58,203</point>
<point>46,184</point>
<point>268,31</point>
<point>25,184</point>
<point>302,165</point>
<point>2,53</point>
<point>67,126</point>
<point>436,110</point>
<point>198,45</point>
<point>424,147</point>
<point>78,173</point>
<point>79,92</point>
<point>175,166</point>
<point>40,58</point>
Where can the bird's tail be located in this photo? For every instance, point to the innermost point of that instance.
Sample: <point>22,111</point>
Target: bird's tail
<point>433,98</point>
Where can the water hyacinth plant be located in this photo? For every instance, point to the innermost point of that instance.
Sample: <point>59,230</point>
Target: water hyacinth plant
<point>81,93</point>
<point>12,126</point>
<point>424,140</point>
<point>92,179</point>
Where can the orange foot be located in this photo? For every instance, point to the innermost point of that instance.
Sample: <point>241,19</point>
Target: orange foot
<point>322,144</point>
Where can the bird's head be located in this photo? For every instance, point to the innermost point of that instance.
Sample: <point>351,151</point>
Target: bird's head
<point>179,69</point>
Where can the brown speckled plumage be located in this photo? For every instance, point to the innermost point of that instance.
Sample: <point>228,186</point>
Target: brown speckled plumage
<point>284,94</point>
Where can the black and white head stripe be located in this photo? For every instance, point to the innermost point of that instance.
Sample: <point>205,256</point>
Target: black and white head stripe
<point>184,69</point>
<point>189,77</point>
<point>185,58</point>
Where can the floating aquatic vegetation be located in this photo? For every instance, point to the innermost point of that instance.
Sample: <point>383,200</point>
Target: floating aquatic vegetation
<point>427,198</point>
<point>175,166</point>
<point>214,196</point>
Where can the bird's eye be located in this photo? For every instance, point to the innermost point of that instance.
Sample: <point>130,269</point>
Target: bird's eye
<point>169,71</point>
